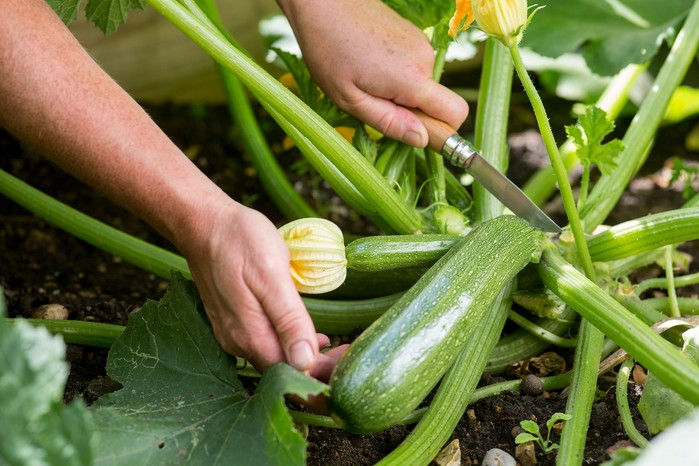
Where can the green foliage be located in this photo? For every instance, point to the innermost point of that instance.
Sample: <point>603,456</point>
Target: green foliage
<point>686,173</point>
<point>107,15</point>
<point>311,94</point>
<point>660,405</point>
<point>610,36</point>
<point>533,433</point>
<point>593,126</point>
<point>182,401</point>
<point>38,429</point>
<point>426,14</point>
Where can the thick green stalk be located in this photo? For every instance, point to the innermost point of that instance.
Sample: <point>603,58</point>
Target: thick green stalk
<point>645,234</point>
<point>133,250</point>
<point>397,213</point>
<point>688,306</point>
<point>670,276</point>
<point>77,332</point>
<point>492,117</point>
<point>615,321</point>
<point>542,184</point>
<point>271,175</point>
<point>639,136</point>
<point>435,162</point>
<point>456,388</point>
<point>583,386</point>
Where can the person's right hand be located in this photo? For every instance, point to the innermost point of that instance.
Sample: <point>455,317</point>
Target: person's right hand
<point>373,64</point>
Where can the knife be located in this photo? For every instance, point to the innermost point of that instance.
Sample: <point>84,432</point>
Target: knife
<point>446,141</point>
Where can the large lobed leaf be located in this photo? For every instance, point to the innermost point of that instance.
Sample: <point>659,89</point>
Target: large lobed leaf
<point>37,428</point>
<point>182,402</point>
<point>611,34</point>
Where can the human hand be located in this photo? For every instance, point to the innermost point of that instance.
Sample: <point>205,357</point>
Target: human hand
<point>373,64</point>
<point>240,265</point>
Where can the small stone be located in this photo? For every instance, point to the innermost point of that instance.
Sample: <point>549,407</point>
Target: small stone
<point>50,312</point>
<point>526,454</point>
<point>450,455</point>
<point>531,385</point>
<point>498,457</point>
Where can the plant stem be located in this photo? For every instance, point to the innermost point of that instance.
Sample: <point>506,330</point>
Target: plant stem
<point>663,283</point>
<point>78,332</point>
<point>590,340</point>
<point>540,332</point>
<point>435,162</point>
<point>133,250</point>
<point>584,186</point>
<point>670,276</point>
<point>556,162</point>
<point>688,306</point>
<point>542,184</point>
<point>627,330</point>
<point>397,213</point>
<point>605,196</point>
<point>273,179</point>
<point>622,402</point>
<point>582,394</point>
<point>645,234</point>
<point>492,118</point>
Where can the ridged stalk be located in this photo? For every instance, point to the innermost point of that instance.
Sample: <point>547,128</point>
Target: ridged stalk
<point>615,321</point>
<point>133,250</point>
<point>645,234</point>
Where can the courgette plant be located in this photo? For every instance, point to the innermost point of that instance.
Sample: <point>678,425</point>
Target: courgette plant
<point>381,179</point>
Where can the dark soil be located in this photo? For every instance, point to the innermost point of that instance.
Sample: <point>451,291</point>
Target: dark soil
<point>42,265</point>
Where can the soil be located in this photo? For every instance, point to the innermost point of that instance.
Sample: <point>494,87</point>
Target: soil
<point>43,265</point>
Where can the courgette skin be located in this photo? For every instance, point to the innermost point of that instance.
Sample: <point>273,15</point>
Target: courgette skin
<point>389,252</point>
<point>392,366</point>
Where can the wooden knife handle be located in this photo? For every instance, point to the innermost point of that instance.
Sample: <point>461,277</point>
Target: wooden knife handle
<point>437,130</point>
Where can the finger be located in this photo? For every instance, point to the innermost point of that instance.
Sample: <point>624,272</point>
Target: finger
<point>323,341</point>
<point>291,322</point>
<point>390,119</point>
<point>326,362</point>
<point>440,102</point>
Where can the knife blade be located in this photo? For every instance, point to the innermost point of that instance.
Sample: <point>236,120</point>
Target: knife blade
<point>446,141</point>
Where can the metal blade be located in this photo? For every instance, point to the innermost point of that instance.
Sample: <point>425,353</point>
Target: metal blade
<point>460,152</point>
<point>509,194</point>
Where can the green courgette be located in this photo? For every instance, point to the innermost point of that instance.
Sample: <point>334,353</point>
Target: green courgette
<point>389,252</point>
<point>392,366</point>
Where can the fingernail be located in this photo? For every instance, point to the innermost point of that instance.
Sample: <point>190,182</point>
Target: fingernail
<point>301,354</point>
<point>414,139</point>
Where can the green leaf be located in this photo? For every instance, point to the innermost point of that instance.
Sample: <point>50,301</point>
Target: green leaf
<point>525,437</point>
<point>423,14</point>
<point>555,418</point>
<point>181,401</point>
<point>588,135</point>
<point>67,10</point>
<point>37,428</point>
<point>108,15</point>
<point>530,426</point>
<point>611,35</point>
<point>660,405</point>
<point>311,94</point>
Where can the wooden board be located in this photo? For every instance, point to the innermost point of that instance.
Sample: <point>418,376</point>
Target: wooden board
<point>155,62</point>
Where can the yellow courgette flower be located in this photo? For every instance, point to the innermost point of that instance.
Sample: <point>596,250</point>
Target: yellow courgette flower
<point>503,19</point>
<point>317,253</point>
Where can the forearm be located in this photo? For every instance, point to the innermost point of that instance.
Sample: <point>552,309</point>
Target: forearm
<point>54,97</point>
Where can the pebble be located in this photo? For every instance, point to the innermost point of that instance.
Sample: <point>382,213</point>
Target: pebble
<point>498,457</point>
<point>50,312</point>
<point>531,385</point>
<point>526,454</point>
